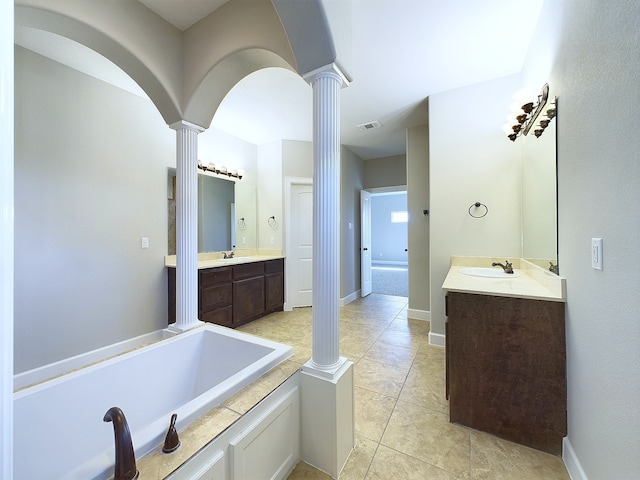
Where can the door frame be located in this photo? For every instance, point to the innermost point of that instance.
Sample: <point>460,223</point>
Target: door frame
<point>289,182</point>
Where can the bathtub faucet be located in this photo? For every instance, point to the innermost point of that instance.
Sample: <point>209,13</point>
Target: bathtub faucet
<point>507,267</point>
<point>125,468</point>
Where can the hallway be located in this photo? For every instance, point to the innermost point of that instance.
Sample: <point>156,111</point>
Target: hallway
<point>402,427</point>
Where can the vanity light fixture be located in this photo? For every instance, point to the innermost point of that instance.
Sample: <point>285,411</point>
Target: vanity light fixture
<point>213,169</point>
<point>529,113</point>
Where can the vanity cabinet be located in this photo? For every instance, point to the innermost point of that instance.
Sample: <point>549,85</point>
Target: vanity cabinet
<point>248,292</point>
<point>237,294</point>
<point>506,368</point>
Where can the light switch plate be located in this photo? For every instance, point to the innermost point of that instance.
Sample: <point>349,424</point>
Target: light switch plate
<point>596,253</point>
<point>144,242</point>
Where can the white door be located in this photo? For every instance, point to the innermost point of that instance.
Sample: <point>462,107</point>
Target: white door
<point>365,242</point>
<point>300,253</point>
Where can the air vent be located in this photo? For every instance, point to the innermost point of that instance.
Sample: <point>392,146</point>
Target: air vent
<point>369,126</point>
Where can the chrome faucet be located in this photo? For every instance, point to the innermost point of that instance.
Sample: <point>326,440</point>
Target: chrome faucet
<point>229,255</point>
<point>125,468</point>
<point>507,267</point>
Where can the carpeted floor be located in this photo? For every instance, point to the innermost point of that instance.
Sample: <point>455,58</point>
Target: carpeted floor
<point>390,281</point>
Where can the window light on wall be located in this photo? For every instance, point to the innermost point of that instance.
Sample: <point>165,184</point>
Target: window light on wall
<point>399,217</point>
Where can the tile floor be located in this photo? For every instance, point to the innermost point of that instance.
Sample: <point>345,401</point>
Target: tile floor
<point>402,421</point>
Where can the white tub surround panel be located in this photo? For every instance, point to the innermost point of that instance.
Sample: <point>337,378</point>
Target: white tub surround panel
<point>327,379</point>
<point>186,225</point>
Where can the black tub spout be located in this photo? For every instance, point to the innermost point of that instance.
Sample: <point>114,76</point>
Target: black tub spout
<point>125,468</point>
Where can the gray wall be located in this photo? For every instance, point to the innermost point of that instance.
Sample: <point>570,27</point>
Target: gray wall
<point>351,181</point>
<point>388,240</point>
<point>90,181</point>
<point>471,160</point>
<point>419,225</point>
<point>385,172</point>
<point>588,52</point>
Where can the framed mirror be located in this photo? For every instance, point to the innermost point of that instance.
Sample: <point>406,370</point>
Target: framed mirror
<point>221,205</point>
<point>540,197</point>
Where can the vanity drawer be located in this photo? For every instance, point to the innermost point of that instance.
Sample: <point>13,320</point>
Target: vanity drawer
<point>274,266</point>
<point>215,297</point>
<point>248,270</point>
<point>215,276</point>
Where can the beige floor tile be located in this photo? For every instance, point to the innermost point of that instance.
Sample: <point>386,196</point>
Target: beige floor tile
<point>428,436</point>
<point>425,390</point>
<point>495,459</point>
<point>372,413</point>
<point>391,355</point>
<point>389,464</point>
<point>401,339</point>
<point>380,378</point>
<point>354,347</point>
<point>304,471</point>
<point>360,459</point>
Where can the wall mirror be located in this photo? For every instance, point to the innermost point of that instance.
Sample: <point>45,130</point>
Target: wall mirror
<point>539,197</point>
<point>226,214</point>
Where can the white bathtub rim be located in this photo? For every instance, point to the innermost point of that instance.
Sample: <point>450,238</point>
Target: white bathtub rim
<point>66,365</point>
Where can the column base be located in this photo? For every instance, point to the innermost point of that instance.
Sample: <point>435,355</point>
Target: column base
<point>328,420</point>
<point>175,328</point>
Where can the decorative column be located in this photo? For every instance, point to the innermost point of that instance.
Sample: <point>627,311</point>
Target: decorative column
<point>186,226</point>
<point>327,424</point>
<point>326,84</point>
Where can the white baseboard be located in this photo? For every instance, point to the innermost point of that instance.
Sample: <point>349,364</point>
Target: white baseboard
<point>437,339</point>
<point>571,461</point>
<point>419,314</point>
<point>350,298</point>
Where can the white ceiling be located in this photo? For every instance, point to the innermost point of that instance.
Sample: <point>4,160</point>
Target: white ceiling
<point>399,53</point>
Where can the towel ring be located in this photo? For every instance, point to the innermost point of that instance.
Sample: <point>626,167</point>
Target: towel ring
<point>271,221</point>
<point>242,224</point>
<point>478,205</point>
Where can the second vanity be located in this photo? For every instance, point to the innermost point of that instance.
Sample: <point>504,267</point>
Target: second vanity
<point>506,353</point>
<point>234,291</point>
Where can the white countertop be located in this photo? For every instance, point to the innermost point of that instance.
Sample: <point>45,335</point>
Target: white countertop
<point>533,282</point>
<point>214,259</point>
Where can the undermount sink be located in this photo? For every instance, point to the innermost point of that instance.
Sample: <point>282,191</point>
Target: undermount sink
<point>232,259</point>
<point>488,272</point>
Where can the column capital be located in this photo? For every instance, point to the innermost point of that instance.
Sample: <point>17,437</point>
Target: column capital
<point>331,70</point>
<point>184,125</point>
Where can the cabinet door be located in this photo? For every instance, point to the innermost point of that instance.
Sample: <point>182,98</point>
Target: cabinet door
<point>507,368</point>
<point>274,292</point>
<point>248,300</point>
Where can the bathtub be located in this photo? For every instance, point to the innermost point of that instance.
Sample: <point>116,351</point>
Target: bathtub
<point>59,430</point>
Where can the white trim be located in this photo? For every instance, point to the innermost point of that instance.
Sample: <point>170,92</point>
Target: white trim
<point>419,314</point>
<point>389,263</point>
<point>39,374</point>
<point>437,339</point>
<point>350,298</point>
<point>570,459</point>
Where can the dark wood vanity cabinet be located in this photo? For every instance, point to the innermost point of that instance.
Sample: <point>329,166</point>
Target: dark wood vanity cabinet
<point>506,368</point>
<point>234,295</point>
<point>274,285</point>
<point>215,296</point>
<point>248,292</point>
